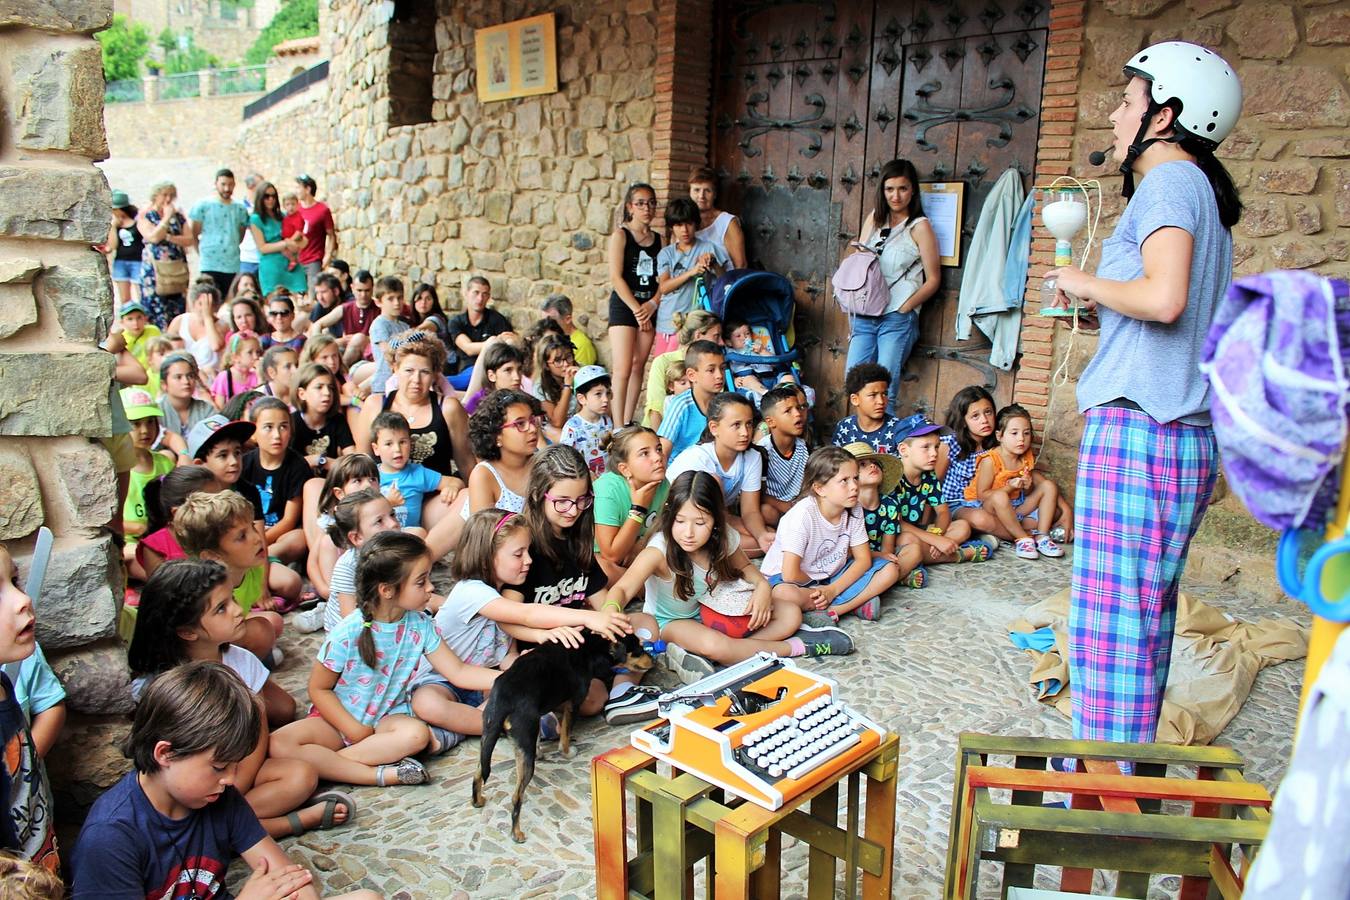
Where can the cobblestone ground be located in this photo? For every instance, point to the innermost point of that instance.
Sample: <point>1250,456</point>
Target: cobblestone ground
<point>937,663</point>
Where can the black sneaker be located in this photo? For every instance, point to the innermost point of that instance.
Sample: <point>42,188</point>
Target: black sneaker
<point>828,641</point>
<point>637,704</point>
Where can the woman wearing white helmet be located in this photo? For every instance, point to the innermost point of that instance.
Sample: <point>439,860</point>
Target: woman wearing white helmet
<point>1148,458</point>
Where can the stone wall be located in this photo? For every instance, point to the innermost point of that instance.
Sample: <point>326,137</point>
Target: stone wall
<point>166,129</point>
<point>55,305</point>
<point>1289,155</point>
<point>289,139</point>
<point>524,191</point>
<point>227,38</point>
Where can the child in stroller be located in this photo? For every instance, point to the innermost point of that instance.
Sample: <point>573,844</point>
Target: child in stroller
<point>756,309</point>
<point>751,377</point>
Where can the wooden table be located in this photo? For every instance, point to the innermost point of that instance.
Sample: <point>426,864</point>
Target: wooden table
<point>682,819</point>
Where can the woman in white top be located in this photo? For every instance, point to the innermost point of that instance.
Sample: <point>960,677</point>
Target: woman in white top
<point>716,226</point>
<point>911,266</point>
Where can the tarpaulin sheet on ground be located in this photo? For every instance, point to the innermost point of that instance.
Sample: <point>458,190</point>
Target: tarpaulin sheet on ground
<point>1215,659</point>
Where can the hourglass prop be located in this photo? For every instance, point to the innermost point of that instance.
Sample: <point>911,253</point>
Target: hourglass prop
<point>1069,205</point>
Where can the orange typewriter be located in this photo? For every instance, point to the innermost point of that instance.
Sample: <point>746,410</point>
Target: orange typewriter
<point>764,729</point>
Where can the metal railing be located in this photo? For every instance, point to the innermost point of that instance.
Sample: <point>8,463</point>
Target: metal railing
<point>177,87</point>
<point>204,83</point>
<point>243,80</point>
<point>293,86</point>
<point>132,90</point>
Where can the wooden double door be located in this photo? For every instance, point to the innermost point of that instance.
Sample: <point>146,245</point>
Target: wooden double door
<point>812,98</point>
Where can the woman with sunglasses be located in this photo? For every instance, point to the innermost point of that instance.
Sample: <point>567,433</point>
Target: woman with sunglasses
<point>280,312</point>
<point>265,226</point>
<point>632,252</point>
<point>564,570</point>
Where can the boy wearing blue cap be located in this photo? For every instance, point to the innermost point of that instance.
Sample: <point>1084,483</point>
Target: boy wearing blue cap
<point>136,329</point>
<point>923,517</point>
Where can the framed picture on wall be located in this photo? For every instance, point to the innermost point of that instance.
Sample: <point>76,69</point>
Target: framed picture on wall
<point>517,59</point>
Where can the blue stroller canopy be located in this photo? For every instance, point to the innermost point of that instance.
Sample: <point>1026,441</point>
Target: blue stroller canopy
<point>759,298</point>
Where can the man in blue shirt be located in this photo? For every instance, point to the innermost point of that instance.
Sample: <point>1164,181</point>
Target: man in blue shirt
<point>219,224</point>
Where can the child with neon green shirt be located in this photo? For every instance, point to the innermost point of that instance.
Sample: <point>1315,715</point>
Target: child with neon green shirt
<point>145,415</point>
<point>136,328</point>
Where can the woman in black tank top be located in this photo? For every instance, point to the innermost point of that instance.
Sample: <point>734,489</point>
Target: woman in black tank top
<point>632,305</point>
<point>435,437</point>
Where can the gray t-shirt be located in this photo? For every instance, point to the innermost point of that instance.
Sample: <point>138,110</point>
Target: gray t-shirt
<point>1151,363</point>
<point>382,331</point>
<point>674,262</point>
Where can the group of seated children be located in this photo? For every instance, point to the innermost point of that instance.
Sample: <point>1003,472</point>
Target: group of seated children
<point>563,523</point>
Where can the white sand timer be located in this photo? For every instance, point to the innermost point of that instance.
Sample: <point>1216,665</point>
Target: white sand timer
<point>1064,216</point>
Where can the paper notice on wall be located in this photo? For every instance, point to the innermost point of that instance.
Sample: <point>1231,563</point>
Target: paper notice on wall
<point>533,56</point>
<point>942,206</point>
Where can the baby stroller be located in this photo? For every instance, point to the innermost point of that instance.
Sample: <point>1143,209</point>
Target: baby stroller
<point>764,301</point>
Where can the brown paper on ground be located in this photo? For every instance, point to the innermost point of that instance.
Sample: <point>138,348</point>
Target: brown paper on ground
<point>1214,663</point>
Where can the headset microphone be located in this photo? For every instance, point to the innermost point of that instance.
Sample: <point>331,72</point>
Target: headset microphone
<point>1097,157</point>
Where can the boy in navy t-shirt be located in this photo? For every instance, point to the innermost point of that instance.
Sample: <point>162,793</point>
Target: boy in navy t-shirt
<point>867,385</point>
<point>174,823</point>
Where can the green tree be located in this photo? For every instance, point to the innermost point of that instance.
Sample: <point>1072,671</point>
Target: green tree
<point>297,19</point>
<point>125,44</point>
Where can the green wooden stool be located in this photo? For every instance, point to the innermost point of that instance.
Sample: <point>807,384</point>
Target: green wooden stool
<point>1114,822</point>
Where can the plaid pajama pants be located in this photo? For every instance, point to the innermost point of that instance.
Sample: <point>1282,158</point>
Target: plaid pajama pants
<point>1142,491</point>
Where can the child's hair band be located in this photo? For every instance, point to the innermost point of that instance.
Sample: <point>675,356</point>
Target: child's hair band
<point>502,521</point>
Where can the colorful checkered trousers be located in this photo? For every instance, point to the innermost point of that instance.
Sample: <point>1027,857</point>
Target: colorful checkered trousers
<point>1142,491</point>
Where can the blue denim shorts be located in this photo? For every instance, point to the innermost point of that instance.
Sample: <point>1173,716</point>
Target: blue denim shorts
<point>461,695</point>
<point>127,270</point>
<point>849,592</point>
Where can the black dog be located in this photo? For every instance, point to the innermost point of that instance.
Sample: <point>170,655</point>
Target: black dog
<point>548,678</point>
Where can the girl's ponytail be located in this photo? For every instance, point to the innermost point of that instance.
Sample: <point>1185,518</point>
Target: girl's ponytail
<point>164,495</point>
<point>385,559</point>
<point>347,516</point>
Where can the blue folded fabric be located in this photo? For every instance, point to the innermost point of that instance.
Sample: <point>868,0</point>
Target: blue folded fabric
<point>1041,639</point>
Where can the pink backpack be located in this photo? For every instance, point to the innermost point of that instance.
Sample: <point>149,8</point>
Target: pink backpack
<point>859,288</point>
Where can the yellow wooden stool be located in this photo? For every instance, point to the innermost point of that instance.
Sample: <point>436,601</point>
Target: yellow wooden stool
<point>683,819</point>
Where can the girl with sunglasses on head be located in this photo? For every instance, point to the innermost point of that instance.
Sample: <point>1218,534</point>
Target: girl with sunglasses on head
<point>504,433</point>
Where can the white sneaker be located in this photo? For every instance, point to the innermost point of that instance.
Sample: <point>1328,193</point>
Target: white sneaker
<point>689,667</point>
<point>308,621</point>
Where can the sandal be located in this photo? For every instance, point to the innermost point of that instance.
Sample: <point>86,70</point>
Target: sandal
<point>284,605</point>
<point>330,800</point>
<point>308,599</point>
<point>406,771</point>
<point>917,578</point>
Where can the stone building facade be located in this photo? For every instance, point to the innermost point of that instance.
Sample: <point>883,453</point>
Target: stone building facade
<point>524,191</point>
<point>55,306</point>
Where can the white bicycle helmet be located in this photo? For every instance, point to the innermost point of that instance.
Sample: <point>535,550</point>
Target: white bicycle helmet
<point>1208,89</point>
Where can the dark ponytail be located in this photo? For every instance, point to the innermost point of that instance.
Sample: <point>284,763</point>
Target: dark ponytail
<point>1225,192</point>
<point>164,495</point>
